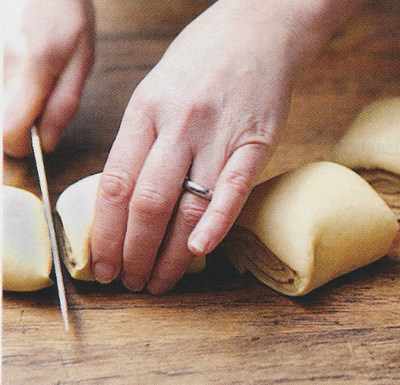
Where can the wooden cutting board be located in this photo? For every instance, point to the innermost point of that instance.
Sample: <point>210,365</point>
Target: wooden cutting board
<point>215,327</point>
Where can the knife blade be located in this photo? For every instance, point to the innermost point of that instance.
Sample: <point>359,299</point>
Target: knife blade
<point>37,151</point>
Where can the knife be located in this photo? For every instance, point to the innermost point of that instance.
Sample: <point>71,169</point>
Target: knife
<point>37,151</point>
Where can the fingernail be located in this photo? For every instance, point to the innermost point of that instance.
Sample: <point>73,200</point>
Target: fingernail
<point>104,272</point>
<point>133,282</point>
<point>159,286</point>
<point>198,244</point>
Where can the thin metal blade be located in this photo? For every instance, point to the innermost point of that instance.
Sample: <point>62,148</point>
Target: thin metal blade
<point>37,151</point>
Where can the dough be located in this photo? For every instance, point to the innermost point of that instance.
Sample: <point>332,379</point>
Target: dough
<point>75,208</point>
<point>371,147</point>
<point>301,229</point>
<point>26,258</point>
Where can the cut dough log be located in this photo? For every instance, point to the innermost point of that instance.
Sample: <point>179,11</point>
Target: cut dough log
<point>301,229</point>
<point>26,258</point>
<point>76,208</point>
<point>371,147</point>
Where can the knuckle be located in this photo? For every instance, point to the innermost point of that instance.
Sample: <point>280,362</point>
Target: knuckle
<point>141,107</point>
<point>105,239</point>
<point>189,115</point>
<point>238,182</point>
<point>108,242</point>
<point>149,202</point>
<point>265,131</point>
<point>54,53</point>
<point>261,133</point>
<point>46,56</point>
<point>198,112</point>
<point>110,247</point>
<point>116,186</point>
<point>190,213</point>
<point>223,217</point>
<point>144,97</point>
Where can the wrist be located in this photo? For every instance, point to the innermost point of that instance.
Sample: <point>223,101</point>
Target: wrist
<point>318,20</point>
<point>311,23</point>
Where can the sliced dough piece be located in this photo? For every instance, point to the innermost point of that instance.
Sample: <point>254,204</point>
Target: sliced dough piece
<point>301,229</point>
<point>371,147</point>
<point>26,256</point>
<point>76,207</point>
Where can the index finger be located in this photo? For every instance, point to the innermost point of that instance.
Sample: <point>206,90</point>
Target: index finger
<point>121,171</point>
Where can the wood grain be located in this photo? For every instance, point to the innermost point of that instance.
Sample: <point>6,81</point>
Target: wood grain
<point>217,327</point>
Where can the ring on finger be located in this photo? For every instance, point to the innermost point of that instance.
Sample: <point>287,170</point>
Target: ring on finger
<point>198,189</point>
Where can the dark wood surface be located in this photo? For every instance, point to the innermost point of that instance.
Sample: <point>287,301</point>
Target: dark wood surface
<point>216,327</point>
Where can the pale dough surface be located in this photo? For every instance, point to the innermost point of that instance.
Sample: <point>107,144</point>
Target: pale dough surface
<point>296,232</point>
<point>373,140</point>
<point>76,208</point>
<point>371,147</point>
<point>26,259</point>
<point>304,228</point>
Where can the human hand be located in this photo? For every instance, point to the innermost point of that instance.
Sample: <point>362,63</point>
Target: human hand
<point>210,109</point>
<point>48,53</point>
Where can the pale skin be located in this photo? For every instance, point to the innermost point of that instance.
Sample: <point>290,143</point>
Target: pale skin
<point>211,109</point>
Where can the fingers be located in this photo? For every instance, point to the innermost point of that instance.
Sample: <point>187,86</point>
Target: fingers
<point>175,257</point>
<point>37,90</point>
<point>156,193</point>
<point>205,223</point>
<point>45,65</point>
<point>25,94</point>
<point>64,100</point>
<point>152,206</point>
<point>129,151</point>
<point>230,194</point>
<point>140,231</point>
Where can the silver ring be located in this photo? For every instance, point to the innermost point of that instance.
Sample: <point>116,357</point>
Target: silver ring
<point>198,189</point>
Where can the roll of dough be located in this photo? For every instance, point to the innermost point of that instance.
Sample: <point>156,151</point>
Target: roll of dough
<point>371,147</point>
<point>26,258</point>
<point>301,229</point>
<point>75,207</point>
